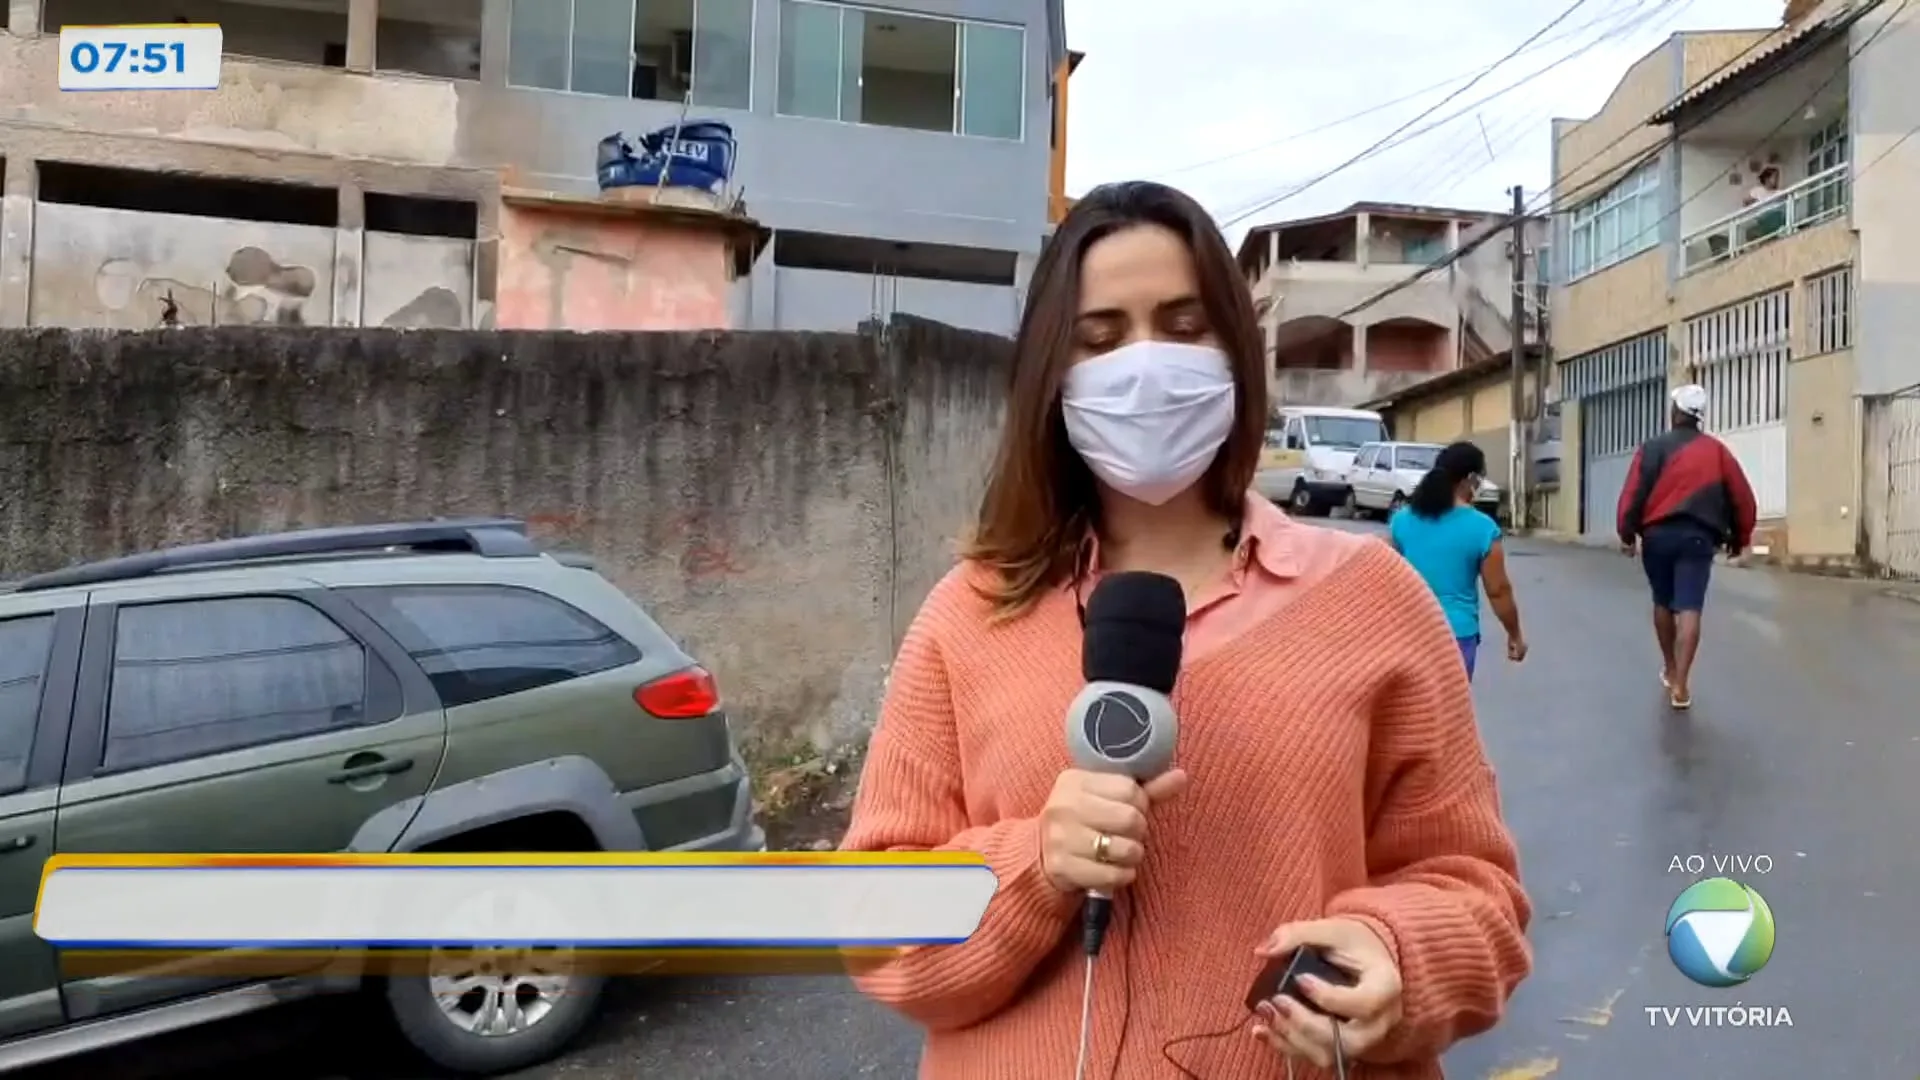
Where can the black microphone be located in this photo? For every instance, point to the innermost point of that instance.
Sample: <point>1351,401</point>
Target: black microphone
<point>1123,720</point>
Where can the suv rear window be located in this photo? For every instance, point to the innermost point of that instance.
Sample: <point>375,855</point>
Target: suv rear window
<point>24,644</point>
<point>484,641</point>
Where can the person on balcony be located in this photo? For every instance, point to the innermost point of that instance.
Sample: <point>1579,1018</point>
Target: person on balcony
<point>1771,221</point>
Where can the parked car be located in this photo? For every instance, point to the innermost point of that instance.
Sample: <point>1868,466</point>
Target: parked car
<point>429,686</point>
<point>1384,474</point>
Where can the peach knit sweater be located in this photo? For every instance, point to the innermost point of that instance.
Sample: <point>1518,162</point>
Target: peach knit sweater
<point>1336,771</point>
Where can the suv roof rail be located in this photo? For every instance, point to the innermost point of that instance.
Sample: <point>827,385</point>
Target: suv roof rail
<point>491,537</point>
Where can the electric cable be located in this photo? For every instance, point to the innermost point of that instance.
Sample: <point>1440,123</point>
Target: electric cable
<point>1403,137</point>
<point>1553,193</point>
<point>1458,164</point>
<point>1565,14</point>
<point>1371,110</point>
<point>1456,154</point>
<point>1792,114</point>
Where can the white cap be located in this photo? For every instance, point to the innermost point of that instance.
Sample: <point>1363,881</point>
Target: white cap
<point>1690,399</point>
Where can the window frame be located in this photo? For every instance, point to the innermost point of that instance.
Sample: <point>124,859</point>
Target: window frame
<point>960,24</point>
<point>53,714</point>
<point>1621,205</point>
<point>390,693</point>
<point>753,34</point>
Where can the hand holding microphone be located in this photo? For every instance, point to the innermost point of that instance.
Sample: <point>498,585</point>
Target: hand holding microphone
<point>1120,733</point>
<point>1086,806</point>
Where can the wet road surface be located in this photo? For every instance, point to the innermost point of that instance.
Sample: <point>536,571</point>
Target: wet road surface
<point>1803,746</point>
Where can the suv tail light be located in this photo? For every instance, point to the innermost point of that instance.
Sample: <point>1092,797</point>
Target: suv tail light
<point>683,695</point>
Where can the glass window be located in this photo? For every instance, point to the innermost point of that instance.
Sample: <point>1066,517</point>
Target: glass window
<point>723,53</point>
<point>1424,249</point>
<point>200,677</point>
<point>809,60</point>
<point>1365,458</point>
<point>24,646</point>
<point>485,641</point>
<point>992,80</point>
<point>537,46</point>
<point>602,47</point>
<point>1416,457</point>
<point>1344,432</point>
<point>906,70</point>
<point>656,50</point>
<point>1621,223</point>
<point>898,70</point>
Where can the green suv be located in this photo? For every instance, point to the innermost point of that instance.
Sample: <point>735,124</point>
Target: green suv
<point>428,686</point>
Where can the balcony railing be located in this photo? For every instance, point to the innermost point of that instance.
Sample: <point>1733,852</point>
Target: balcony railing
<point>1817,199</point>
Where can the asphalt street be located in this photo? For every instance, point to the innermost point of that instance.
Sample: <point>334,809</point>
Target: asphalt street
<point>1803,747</point>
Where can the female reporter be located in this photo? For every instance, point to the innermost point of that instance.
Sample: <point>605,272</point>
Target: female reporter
<point>1331,789</point>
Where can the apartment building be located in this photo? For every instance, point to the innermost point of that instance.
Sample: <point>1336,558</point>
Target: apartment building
<point>1348,313</point>
<point>377,162</point>
<point>1738,216</point>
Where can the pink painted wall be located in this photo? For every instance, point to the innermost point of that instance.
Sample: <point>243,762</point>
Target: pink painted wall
<point>586,271</point>
<point>1408,348</point>
<point>1389,348</point>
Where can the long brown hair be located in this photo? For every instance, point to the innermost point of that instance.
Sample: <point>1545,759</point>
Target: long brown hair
<point>1041,499</point>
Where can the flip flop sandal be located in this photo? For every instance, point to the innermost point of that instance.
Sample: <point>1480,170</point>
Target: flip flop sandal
<point>1664,681</point>
<point>1678,704</point>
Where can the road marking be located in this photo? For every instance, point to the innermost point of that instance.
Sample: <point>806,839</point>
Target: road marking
<point>1600,1015</point>
<point>1529,1070</point>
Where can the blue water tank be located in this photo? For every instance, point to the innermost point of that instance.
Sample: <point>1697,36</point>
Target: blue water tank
<point>697,154</point>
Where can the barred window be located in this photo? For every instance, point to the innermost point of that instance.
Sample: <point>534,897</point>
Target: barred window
<point>1830,311</point>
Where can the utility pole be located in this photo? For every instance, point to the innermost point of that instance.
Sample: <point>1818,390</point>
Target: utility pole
<point>1517,449</point>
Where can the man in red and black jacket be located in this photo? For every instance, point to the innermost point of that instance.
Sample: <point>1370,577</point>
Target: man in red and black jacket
<point>1685,498</point>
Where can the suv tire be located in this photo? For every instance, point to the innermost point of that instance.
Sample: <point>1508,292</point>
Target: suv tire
<point>438,1035</point>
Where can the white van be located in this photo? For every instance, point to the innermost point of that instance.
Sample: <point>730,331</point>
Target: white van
<point>1309,452</point>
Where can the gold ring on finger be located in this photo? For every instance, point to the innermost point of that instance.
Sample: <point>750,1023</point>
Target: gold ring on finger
<point>1103,848</point>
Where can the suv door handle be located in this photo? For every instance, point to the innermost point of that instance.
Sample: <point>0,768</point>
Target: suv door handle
<point>383,767</point>
<point>16,843</point>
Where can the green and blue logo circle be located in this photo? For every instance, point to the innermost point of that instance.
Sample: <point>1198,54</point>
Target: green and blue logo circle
<point>1719,932</point>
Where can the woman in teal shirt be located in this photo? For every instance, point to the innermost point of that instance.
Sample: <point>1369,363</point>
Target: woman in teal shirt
<point>1456,548</point>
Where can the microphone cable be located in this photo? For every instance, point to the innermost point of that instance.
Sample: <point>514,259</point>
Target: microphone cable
<point>1093,935</point>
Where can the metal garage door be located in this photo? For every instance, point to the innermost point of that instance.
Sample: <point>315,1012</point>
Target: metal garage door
<point>1612,426</point>
<point>1739,353</point>
<point>1622,394</point>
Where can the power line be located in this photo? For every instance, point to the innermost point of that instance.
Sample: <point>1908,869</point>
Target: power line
<point>1372,110</point>
<point>1405,136</point>
<point>1456,164</point>
<point>1564,15</point>
<point>1553,187</point>
<point>1795,112</point>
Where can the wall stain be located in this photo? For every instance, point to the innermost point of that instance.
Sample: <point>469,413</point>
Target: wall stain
<point>255,290</point>
<point>435,307</point>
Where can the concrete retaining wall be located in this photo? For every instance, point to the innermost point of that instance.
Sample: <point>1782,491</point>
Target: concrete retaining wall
<point>781,502</point>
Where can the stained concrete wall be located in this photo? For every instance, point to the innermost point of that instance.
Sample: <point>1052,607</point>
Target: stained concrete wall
<point>781,502</point>
<point>100,267</point>
<point>417,281</point>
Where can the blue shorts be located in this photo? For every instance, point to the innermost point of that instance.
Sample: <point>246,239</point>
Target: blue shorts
<point>1469,651</point>
<point>1678,563</point>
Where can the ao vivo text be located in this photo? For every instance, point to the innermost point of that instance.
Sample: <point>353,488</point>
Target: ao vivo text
<point>1721,865</point>
<point>1720,1016</point>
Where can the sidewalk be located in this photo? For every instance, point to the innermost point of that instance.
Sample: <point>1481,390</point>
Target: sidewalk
<point>1893,587</point>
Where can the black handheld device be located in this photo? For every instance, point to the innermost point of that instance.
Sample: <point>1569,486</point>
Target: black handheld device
<point>1281,976</point>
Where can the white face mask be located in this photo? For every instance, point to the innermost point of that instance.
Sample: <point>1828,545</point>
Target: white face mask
<point>1150,417</point>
